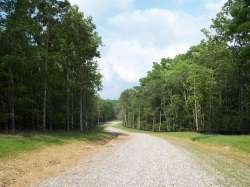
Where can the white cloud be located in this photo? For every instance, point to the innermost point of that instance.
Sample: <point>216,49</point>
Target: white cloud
<point>135,38</point>
<point>98,8</point>
<point>130,61</point>
<point>145,37</point>
<point>105,69</point>
<point>181,2</point>
<point>215,6</point>
<point>111,89</point>
<point>158,26</point>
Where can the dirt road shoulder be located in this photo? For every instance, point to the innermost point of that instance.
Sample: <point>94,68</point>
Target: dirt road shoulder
<point>47,162</point>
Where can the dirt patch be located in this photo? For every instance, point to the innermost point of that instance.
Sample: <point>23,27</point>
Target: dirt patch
<point>30,168</point>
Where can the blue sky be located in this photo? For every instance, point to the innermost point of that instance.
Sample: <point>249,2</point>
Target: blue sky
<point>137,33</point>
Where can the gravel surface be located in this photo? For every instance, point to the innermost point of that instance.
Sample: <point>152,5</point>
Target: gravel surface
<point>139,160</point>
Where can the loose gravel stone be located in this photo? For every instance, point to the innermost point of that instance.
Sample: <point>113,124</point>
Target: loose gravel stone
<point>142,160</point>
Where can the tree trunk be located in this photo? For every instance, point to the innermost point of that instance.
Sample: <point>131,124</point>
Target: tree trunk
<point>32,94</point>
<point>160,122</point>
<point>38,98</point>
<point>45,80</point>
<point>50,111</point>
<point>241,103</point>
<point>166,117</point>
<point>98,118</point>
<point>90,120</point>
<point>139,119</point>
<point>4,110</point>
<point>210,112</point>
<point>195,108</point>
<point>68,95</point>
<point>153,127</point>
<point>11,86</point>
<point>173,113</point>
<point>81,103</point>
<point>125,119</point>
<point>72,111</point>
<point>12,104</point>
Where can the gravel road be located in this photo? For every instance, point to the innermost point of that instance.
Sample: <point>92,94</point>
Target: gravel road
<point>135,160</point>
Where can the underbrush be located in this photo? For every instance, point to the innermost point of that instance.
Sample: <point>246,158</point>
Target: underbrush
<point>11,144</point>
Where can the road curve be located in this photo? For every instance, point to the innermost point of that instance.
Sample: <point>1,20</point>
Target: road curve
<point>135,160</point>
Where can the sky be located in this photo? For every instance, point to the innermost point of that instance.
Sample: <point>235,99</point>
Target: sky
<point>137,33</point>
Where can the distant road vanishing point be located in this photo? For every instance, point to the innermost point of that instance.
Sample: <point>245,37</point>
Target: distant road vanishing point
<point>135,160</point>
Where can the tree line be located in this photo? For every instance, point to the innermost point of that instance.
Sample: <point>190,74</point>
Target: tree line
<point>205,89</point>
<point>49,76</point>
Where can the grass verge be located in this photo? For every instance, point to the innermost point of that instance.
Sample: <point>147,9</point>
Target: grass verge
<point>235,147</point>
<point>241,142</point>
<point>226,157</point>
<point>13,144</point>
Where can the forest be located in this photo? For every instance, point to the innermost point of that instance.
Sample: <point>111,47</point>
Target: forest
<point>49,75</point>
<point>205,89</point>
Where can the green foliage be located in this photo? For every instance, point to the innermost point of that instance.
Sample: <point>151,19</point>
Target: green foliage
<point>232,28</point>
<point>108,110</point>
<point>48,54</point>
<point>204,89</point>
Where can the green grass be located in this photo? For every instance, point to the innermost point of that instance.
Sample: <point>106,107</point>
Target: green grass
<point>231,165</point>
<point>13,144</point>
<point>241,142</point>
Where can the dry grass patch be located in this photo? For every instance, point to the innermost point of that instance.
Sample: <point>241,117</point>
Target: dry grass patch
<point>50,154</point>
<point>47,162</point>
<point>227,151</point>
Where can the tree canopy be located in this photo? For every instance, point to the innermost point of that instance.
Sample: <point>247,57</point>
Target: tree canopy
<point>205,89</point>
<point>49,75</point>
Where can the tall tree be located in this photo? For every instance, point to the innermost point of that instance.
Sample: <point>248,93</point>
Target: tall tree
<point>48,54</point>
<point>232,27</point>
